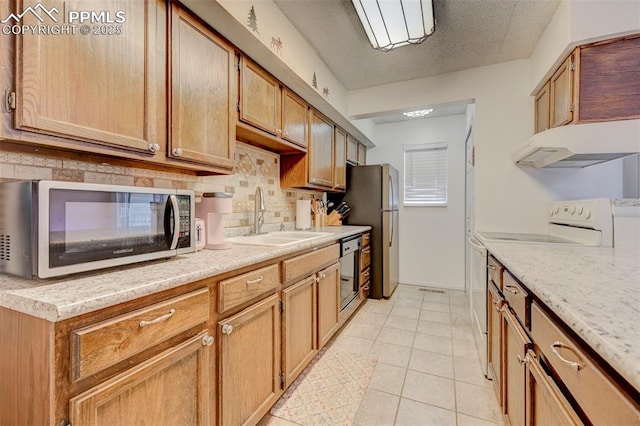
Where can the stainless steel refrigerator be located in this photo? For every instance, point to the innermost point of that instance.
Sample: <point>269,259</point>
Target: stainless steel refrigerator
<point>372,196</point>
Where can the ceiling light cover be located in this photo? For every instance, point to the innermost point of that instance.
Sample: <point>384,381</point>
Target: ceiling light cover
<point>395,23</point>
<point>419,113</point>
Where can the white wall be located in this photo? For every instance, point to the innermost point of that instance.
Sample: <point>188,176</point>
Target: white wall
<point>431,238</point>
<point>507,197</point>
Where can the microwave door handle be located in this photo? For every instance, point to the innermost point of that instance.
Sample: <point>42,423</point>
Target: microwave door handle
<point>173,202</point>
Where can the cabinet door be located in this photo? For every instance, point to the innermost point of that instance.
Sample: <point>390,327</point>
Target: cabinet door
<point>340,159</point>
<point>249,362</point>
<point>352,150</point>
<point>362,155</point>
<point>203,92</point>
<point>98,88</point>
<point>542,109</point>
<point>260,98</point>
<point>170,389</point>
<point>514,347</point>
<point>328,303</point>
<point>295,119</point>
<point>321,151</point>
<point>494,320</point>
<point>545,403</point>
<point>298,327</point>
<point>561,99</point>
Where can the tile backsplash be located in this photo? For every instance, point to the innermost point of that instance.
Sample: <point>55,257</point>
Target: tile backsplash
<point>253,167</point>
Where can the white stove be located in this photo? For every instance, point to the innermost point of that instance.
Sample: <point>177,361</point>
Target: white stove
<point>598,222</point>
<point>576,222</point>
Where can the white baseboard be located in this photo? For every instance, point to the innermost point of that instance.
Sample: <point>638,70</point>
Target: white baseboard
<point>433,285</point>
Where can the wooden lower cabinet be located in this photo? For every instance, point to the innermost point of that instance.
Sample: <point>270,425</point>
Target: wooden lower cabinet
<point>545,404</point>
<point>515,344</point>
<point>298,328</point>
<point>171,388</point>
<point>328,303</point>
<point>494,321</point>
<point>249,363</point>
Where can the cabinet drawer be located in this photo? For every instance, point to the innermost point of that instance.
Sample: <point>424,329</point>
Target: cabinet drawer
<point>306,264</point>
<point>366,239</point>
<point>365,275</point>
<point>104,344</point>
<point>597,395</point>
<point>238,290</point>
<point>495,271</point>
<point>365,258</point>
<point>517,298</point>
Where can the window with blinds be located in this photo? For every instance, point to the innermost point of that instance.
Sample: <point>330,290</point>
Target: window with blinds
<point>425,174</point>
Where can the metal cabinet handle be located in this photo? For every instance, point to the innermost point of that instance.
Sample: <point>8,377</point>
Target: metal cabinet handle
<point>164,317</point>
<point>153,147</point>
<point>322,275</point>
<point>511,289</point>
<point>366,250</point>
<point>496,305</point>
<point>366,287</point>
<point>177,152</point>
<point>278,131</point>
<point>492,267</point>
<point>227,329</point>
<point>207,340</point>
<point>256,281</point>
<point>365,273</point>
<point>575,365</point>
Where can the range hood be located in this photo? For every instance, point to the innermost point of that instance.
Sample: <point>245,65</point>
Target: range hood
<point>580,145</point>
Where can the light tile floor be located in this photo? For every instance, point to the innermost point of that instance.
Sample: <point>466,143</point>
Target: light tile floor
<point>428,370</point>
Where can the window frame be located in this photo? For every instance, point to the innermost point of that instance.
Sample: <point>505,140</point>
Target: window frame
<point>441,162</point>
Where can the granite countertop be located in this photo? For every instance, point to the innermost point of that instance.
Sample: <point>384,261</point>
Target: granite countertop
<point>594,290</point>
<point>62,298</point>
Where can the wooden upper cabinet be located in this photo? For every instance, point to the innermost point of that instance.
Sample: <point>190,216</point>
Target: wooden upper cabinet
<point>172,388</point>
<point>340,159</point>
<point>561,94</point>
<point>609,80</point>
<point>98,88</point>
<point>321,151</point>
<point>362,155</point>
<point>295,119</point>
<point>352,150</point>
<point>260,98</point>
<point>203,93</point>
<point>542,109</point>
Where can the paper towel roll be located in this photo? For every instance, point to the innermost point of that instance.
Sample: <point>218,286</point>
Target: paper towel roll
<point>303,214</point>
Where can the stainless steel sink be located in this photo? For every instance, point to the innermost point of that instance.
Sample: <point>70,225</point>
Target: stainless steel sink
<point>278,239</point>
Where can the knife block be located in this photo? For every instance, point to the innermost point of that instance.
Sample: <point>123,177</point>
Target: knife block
<point>334,219</point>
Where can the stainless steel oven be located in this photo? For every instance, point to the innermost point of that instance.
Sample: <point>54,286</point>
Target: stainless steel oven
<point>349,274</point>
<point>51,228</point>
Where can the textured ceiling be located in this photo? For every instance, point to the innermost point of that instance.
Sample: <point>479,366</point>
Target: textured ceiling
<point>469,34</point>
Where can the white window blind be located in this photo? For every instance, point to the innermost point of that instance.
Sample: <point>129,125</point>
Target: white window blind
<point>425,174</point>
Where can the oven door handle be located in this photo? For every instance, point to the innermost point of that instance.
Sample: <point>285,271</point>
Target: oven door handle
<point>173,231</point>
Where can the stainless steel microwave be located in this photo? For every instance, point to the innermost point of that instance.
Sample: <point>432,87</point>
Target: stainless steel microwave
<point>50,228</point>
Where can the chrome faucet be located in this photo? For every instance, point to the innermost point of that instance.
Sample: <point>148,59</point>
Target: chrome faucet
<point>260,209</point>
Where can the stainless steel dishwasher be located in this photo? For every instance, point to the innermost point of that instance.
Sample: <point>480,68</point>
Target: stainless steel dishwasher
<point>349,275</point>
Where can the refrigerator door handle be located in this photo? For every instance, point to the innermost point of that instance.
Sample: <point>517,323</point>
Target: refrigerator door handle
<point>392,230</point>
<point>393,197</point>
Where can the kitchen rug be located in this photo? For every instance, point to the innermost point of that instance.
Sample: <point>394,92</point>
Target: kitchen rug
<point>328,391</point>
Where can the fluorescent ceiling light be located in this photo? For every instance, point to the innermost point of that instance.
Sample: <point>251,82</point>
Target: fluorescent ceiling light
<point>394,23</point>
<point>418,113</point>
